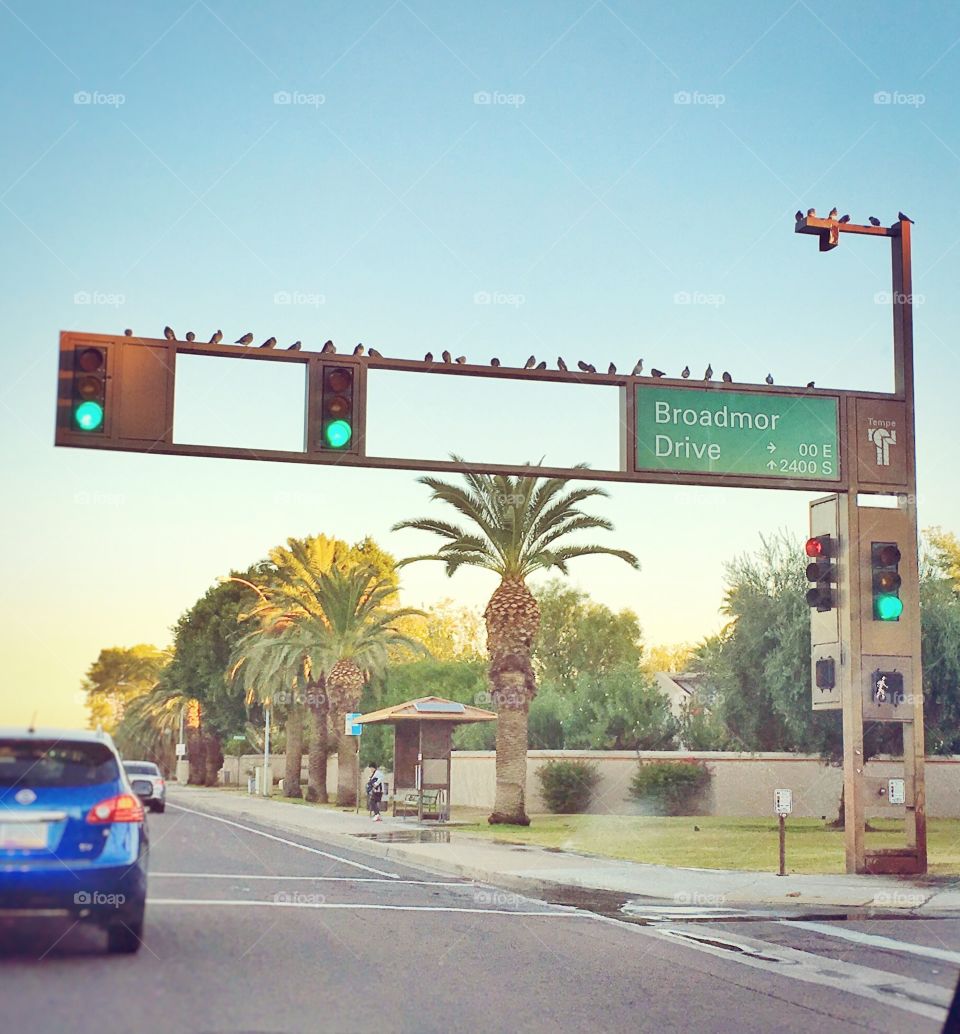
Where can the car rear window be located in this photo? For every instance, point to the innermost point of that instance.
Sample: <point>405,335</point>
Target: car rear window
<point>55,763</point>
<point>141,768</point>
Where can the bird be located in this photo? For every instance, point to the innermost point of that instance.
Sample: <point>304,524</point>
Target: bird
<point>328,348</point>
<point>811,213</point>
<point>269,343</point>
<point>374,354</point>
<point>769,378</point>
<point>128,332</point>
<point>798,215</point>
<point>561,365</point>
<point>542,365</point>
<point>247,339</point>
<point>494,361</point>
<point>591,368</point>
<point>904,218</point>
<point>460,360</point>
<point>685,372</point>
<point>169,334</point>
<point>834,212</point>
<point>874,221</point>
<point>638,369</point>
<point>708,373</point>
<point>657,373</point>
<point>530,362</point>
<point>611,370</point>
<point>428,358</point>
<point>727,379</point>
<point>844,219</point>
<point>810,384</point>
<point>582,365</point>
<point>216,337</point>
<point>191,336</point>
<point>295,347</point>
<point>447,357</point>
<point>358,350</point>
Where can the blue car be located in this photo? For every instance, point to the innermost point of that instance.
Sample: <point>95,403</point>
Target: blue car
<point>73,839</point>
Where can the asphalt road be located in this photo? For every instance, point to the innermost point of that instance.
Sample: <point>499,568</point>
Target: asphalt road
<point>254,930</point>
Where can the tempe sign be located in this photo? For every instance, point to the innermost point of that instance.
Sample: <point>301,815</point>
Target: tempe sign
<point>715,431</point>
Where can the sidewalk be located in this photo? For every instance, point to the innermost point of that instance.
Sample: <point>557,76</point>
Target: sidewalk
<point>537,871</point>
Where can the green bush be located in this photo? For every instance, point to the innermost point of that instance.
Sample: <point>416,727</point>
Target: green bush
<point>670,787</point>
<point>566,786</point>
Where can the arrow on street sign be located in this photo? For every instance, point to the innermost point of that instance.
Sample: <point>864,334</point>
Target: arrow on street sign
<point>771,447</point>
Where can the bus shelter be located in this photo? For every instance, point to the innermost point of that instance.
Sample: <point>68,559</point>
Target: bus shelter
<point>422,744</point>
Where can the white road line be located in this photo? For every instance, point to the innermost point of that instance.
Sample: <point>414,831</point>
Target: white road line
<point>289,843</point>
<point>358,906</point>
<point>877,941</point>
<point>311,879</point>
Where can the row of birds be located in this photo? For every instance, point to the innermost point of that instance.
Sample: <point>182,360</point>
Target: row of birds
<point>834,214</point>
<point>531,364</point>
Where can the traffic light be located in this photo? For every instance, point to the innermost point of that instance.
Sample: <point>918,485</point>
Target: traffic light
<point>89,388</point>
<point>885,563</point>
<point>337,409</point>
<point>821,571</point>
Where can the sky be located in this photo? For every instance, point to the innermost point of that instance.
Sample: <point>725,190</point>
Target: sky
<point>597,180</point>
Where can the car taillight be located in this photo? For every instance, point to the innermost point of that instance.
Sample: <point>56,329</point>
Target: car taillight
<point>160,783</point>
<point>122,808</point>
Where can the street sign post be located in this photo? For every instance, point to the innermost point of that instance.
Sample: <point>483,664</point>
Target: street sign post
<point>783,805</point>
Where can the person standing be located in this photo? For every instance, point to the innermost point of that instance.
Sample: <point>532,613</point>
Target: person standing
<point>376,786</point>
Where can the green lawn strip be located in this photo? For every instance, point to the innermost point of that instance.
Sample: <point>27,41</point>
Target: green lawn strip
<point>717,843</point>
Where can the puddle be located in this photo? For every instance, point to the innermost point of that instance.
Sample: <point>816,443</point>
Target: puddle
<point>409,836</point>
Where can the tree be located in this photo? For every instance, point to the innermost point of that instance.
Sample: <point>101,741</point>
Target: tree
<point>119,675</point>
<point>150,726</point>
<point>516,527</point>
<point>945,554</point>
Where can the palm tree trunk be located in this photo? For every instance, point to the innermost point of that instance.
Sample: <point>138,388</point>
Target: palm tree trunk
<point>293,728</point>
<point>346,767</point>
<point>317,760</point>
<point>510,803</point>
<point>212,758</point>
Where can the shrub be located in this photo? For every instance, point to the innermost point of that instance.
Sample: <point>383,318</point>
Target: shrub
<point>566,786</point>
<point>670,787</point>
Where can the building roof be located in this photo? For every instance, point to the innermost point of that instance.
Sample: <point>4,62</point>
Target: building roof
<point>428,709</point>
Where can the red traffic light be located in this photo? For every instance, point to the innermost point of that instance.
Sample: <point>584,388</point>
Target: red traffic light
<point>815,546</point>
<point>887,555</point>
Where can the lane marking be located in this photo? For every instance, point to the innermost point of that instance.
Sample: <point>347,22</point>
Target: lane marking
<point>880,986</point>
<point>313,879</point>
<point>877,941</point>
<point>283,840</point>
<point>358,906</point>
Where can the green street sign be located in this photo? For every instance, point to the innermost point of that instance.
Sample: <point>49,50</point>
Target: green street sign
<point>715,431</point>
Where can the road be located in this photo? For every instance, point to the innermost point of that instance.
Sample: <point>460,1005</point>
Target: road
<point>253,930</point>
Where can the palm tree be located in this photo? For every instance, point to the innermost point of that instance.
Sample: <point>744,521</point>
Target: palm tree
<point>149,725</point>
<point>517,527</point>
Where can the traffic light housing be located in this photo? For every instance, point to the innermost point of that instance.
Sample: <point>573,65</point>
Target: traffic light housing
<point>338,409</point>
<point>886,581</point>
<point>821,571</point>
<point>88,409</point>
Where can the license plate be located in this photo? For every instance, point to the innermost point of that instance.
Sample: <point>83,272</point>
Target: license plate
<point>20,836</point>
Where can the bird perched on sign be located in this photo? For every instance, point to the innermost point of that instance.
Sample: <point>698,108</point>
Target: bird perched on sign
<point>446,356</point>
<point>269,343</point>
<point>611,370</point>
<point>128,332</point>
<point>874,221</point>
<point>810,384</point>
<point>460,360</point>
<point>374,354</point>
<point>494,361</point>
<point>769,378</point>
<point>542,365</point>
<point>844,219</point>
<point>358,350</point>
<point>216,337</point>
<point>591,368</point>
<point>727,379</point>
<point>295,347</point>
<point>428,358</point>
<point>561,365</point>
<point>834,212</point>
<point>191,336</point>
<point>247,339</point>
<point>904,218</point>
<point>328,348</point>
<point>798,215</point>
<point>708,373</point>
<point>657,373</point>
<point>530,362</point>
<point>811,213</point>
<point>685,372</point>
<point>169,334</point>
<point>582,365</point>
<point>638,369</point>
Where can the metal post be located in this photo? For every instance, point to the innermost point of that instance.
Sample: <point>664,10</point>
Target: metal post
<point>420,780</point>
<point>266,751</point>
<point>783,845</point>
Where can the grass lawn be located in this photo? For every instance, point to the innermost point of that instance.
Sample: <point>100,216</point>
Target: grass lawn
<point>717,843</point>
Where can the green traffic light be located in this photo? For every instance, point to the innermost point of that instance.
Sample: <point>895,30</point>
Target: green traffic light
<point>88,415</point>
<point>889,608</point>
<point>338,434</point>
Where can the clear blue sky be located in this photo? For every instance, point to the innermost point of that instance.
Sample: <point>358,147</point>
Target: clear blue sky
<point>376,206</point>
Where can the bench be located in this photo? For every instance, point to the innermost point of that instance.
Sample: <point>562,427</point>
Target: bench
<point>407,802</point>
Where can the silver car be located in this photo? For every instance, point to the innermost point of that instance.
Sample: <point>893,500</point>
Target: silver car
<point>147,782</point>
